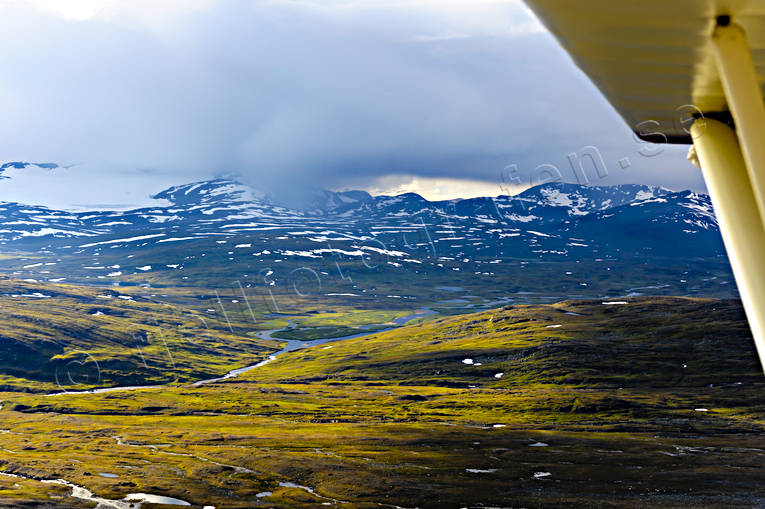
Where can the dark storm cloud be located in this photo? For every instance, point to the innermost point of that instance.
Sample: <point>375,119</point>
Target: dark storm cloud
<point>333,93</point>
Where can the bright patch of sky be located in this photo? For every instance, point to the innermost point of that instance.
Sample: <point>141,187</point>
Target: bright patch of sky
<point>439,188</point>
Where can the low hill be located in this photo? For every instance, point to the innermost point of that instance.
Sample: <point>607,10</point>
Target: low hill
<point>644,342</point>
<point>59,337</point>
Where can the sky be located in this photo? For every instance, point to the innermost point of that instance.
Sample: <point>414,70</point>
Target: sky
<point>446,98</point>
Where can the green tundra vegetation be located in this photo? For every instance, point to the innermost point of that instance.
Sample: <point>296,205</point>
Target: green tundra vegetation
<point>652,402</point>
<point>53,336</point>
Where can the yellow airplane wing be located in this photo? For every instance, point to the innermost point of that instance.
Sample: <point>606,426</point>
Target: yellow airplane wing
<point>688,71</point>
<point>651,59</point>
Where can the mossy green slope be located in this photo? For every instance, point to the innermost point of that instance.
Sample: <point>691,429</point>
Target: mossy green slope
<point>55,336</point>
<point>646,342</point>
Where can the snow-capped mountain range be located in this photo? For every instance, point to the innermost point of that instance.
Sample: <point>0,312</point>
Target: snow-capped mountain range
<point>225,229</point>
<point>554,210</point>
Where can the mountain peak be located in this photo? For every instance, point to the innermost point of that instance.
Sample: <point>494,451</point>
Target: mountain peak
<point>580,200</point>
<point>22,164</point>
<point>219,190</point>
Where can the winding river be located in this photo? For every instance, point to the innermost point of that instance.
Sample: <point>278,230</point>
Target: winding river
<point>291,345</point>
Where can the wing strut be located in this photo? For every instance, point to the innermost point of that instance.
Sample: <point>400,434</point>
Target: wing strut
<point>744,96</point>
<point>741,226</point>
<point>733,163</point>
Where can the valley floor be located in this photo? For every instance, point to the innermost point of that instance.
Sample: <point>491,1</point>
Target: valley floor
<point>648,402</point>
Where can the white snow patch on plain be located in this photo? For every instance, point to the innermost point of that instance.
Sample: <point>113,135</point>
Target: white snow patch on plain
<point>306,254</point>
<point>176,239</point>
<point>521,219</point>
<point>383,251</point>
<point>129,239</point>
<point>52,231</point>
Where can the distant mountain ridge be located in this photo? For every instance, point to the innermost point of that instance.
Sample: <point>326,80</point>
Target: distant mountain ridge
<point>569,207</point>
<point>569,199</point>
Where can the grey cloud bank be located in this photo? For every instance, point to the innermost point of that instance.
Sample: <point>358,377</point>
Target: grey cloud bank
<point>287,93</point>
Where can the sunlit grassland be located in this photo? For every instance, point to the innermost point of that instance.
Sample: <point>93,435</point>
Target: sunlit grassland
<point>655,402</point>
<point>227,460</point>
